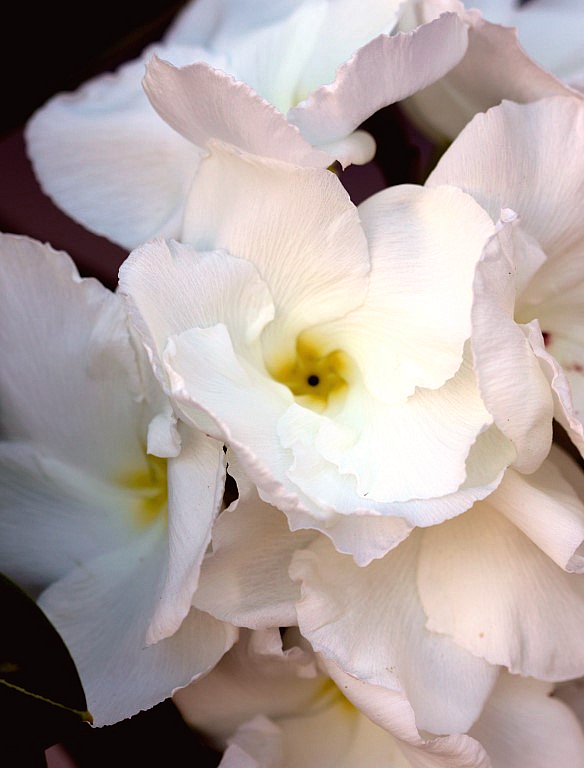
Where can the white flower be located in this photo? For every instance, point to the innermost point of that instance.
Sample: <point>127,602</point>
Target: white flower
<point>326,345</point>
<point>531,278</point>
<point>270,707</point>
<point>539,53</point>
<point>440,617</point>
<point>84,516</point>
<point>289,80</point>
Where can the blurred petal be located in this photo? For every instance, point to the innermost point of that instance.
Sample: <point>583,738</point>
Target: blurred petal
<point>108,160</point>
<point>87,415</point>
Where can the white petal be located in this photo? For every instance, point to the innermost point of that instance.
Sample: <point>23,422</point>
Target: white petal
<point>107,159</point>
<point>69,379</point>
<point>102,610</point>
<point>483,583</point>
<point>522,725</point>
<point>482,79</point>
<point>256,744</point>
<point>547,509</point>
<point>370,622</point>
<point>512,384</point>
<point>195,488</point>
<point>516,156</point>
<point>296,225</point>
<point>53,516</point>
<point>245,580</point>
<point>203,103</point>
<point>383,71</point>
<point>410,332</point>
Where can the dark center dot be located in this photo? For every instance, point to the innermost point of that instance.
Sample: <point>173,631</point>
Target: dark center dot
<point>313,380</point>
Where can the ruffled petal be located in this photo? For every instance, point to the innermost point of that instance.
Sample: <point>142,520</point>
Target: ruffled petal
<point>203,103</point>
<point>102,610</point>
<point>522,725</point>
<point>87,414</point>
<point>520,609</point>
<point>547,509</point>
<point>370,622</point>
<point>296,225</point>
<point>510,158</point>
<point>196,480</point>
<point>512,383</point>
<point>481,80</point>
<point>424,245</point>
<point>383,71</point>
<point>107,159</point>
<point>245,580</point>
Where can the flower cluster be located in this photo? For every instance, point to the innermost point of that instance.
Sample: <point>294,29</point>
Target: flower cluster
<point>314,469</point>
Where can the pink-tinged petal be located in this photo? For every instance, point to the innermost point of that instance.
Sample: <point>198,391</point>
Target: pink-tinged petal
<point>102,610</point>
<point>69,378</point>
<point>484,584</point>
<point>522,725</point>
<point>516,156</point>
<point>513,386</point>
<point>196,479</point>
<point>383,71</point>
<point>481,80</point>
<point>547,509</point>
<point>357,148</point>
<point>52,516</point>
<point>203,103</point>
<point>245,580</point>
<point>107,159</point>
<point>296,225</point>
<point>370,622</point>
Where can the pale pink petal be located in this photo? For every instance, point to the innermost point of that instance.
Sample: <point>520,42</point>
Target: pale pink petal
<point>383,71</point>
<point>370,622</point>
<point>203,103</point>
<point>484,584</point>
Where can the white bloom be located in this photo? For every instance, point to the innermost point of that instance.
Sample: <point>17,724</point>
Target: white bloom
<point>326,345</point>
<point>291,80</point>
<point>439,617</point>
<point>539,53</point>
<point>531,278</point>
<point>84,516</point>
<point>274,708</point>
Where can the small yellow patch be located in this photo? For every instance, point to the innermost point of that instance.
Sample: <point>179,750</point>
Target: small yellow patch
<point>150,488</point>
<point>312,377</point>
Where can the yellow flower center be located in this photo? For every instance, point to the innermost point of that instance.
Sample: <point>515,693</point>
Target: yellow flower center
<point>149,486</point>
<point>315,379</point>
